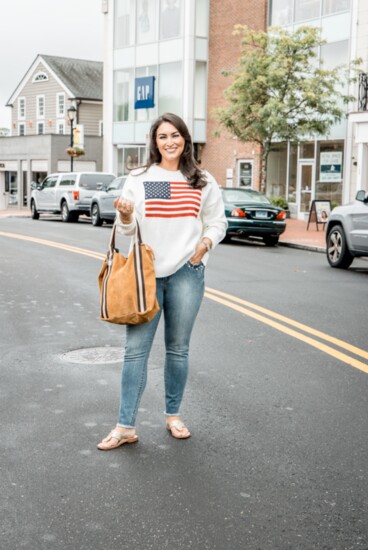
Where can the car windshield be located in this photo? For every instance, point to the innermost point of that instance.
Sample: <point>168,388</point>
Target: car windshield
<point>116,184</point>
<point>244,195</point>
<point>91,181</point>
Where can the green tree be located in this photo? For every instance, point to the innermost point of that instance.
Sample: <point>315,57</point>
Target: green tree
<point>280,91</point>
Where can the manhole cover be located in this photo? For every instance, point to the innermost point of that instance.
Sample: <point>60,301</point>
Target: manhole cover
<point>94,356</point>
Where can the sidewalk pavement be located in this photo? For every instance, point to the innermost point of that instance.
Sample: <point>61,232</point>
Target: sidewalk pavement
<point>296,234</point>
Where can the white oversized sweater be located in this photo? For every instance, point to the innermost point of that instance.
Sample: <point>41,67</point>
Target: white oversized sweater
<point>173,217</point>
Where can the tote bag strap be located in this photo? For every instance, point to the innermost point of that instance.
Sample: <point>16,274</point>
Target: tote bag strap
<point>138,269</point>
<point>138,264</point>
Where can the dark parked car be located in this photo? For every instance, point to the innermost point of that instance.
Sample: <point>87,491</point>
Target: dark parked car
<point>347,232</point>
<point>102,204</point>
<point>251,214</point>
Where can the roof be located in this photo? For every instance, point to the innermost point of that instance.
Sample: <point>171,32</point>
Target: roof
<point>82,77</point>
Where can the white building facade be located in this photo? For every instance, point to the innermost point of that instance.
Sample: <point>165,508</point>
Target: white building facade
<point>332,167</point>
<point>155,61</point>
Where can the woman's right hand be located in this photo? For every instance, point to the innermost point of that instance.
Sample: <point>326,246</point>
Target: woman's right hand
<point>125,209</point>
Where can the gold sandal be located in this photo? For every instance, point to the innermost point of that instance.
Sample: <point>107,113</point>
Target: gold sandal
<point>179,426</point>
<point>120,437</point>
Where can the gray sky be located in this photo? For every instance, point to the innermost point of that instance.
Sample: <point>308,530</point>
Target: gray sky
<point>69,28</point>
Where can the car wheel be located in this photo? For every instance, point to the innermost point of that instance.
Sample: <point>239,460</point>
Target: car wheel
<point>337,251</point>
<point>34,212</point>
<point>270,241</point>
<point>66,215</point>
<point>95,215</point>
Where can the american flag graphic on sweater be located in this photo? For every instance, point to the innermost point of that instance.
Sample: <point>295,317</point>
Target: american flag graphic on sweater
<point>171,199</point>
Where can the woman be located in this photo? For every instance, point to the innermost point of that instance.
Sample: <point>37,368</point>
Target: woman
<point>181,216</point>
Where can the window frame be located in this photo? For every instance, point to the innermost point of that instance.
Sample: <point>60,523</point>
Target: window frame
<point>40,123</point>
<point>20,100</point>
<point>21,124</point>
<point>60,113</point>
<point>38,110</point>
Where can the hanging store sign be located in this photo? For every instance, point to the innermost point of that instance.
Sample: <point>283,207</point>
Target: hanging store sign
<point>144,92</point>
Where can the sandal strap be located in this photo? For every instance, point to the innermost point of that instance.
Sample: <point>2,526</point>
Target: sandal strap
<point>116,434</point>
<point>177,424</point>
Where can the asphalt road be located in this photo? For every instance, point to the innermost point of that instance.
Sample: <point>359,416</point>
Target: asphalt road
<point>276,403</point>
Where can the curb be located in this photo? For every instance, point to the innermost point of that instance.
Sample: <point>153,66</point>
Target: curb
<point>310,247</point>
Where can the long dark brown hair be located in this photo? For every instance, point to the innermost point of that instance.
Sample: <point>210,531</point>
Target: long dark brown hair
<point>187,165</point>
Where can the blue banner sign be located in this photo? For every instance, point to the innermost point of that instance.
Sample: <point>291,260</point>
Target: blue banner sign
<point>144,92</point>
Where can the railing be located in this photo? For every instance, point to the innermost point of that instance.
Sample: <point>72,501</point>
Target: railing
<point>363,92</point>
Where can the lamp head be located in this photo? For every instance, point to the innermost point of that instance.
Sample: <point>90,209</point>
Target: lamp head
<point>72,111</point>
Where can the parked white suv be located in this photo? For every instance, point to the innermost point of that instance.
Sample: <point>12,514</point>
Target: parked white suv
<point>347,232</point>
<point>68,194</point>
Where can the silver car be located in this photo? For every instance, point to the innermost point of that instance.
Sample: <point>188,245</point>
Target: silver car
<point>347,232</point>
<point>102,204</point>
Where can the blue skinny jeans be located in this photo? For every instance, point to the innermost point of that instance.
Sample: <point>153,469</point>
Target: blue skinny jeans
<point>180,296</point>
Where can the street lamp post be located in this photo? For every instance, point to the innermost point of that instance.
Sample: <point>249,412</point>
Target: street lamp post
<point>72,111</point>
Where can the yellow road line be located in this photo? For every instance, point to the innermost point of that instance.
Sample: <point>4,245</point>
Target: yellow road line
<point>296,324</point>
<point>322,347</point>
<point>55,244</point>
<point>231,301</point>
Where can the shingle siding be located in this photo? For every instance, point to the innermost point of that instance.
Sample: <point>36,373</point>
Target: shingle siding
<point>90,116</point>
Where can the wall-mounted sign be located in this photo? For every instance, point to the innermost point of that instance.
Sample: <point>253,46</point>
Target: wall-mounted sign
<point>144,92</point>
<point>330,166</point>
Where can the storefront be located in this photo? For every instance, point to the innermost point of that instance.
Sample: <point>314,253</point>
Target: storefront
<point>304,172</point>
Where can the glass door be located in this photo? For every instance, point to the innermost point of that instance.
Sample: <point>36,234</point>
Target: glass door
<point>305,188</point>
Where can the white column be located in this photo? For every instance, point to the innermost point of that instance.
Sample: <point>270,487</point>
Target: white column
<point>189,63</point>
<point>108,96</point>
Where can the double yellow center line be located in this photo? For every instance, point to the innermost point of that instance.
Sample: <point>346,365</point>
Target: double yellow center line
<point>274,320</point>
<point>304,333</point>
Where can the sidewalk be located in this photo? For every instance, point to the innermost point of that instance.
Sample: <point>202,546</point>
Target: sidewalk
<point>295,235</point>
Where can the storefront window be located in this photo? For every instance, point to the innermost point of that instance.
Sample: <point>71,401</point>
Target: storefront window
<point>281,12</point>
<point>124,29</point>
<point>307,150</point>
<point>170,19</point>
<point>307,9</point>
<point>333,6</point>
<point>293,168</point>
<point>11,186</point>
<point>123,96</point>
<point>146,21</point>
<point>276,170</point>
<point>170,89</point>
<point>329,171</point>
<point>130,158</point>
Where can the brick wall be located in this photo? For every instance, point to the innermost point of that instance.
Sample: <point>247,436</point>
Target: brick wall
<point>221,153</point>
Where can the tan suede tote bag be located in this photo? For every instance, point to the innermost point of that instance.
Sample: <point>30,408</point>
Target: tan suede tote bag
<point>128,285</point>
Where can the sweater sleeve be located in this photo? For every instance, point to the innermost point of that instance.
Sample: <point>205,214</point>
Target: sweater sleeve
<point>129,192</point>
<point>213,214</point>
